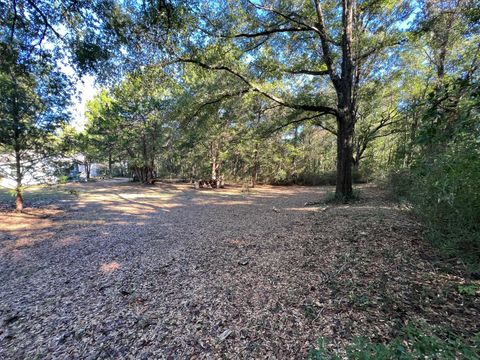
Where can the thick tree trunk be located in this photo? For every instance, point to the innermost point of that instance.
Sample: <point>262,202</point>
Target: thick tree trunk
<point>19,200</point>
<point>144,174</point>
<point>344,181</point>
<point>18,189</point>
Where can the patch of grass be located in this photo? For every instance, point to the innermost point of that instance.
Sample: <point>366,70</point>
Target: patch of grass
<point>414,342</point>
<point>468,289</point>
<point>37,195</point>
<point>63,179</point>
<point>309,311</point>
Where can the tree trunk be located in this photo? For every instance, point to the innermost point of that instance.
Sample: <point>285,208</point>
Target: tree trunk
<point>144,174</point>
<point>344,187</point>
<point>345,88</point>
<point>18,189</point>
<point>17,147</point>
<point>215,171</point>
<point>254,174</point>
<point>87,170</point>
<point>255,166</point>
<point>110,164</point>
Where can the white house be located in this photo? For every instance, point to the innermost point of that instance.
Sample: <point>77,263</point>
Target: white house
<point>44,170</point>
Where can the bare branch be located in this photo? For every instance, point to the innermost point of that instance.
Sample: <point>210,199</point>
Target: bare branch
<point>269,32</point>
<point>324,38</point>
<point>308,72</point>
<point>44,18</point>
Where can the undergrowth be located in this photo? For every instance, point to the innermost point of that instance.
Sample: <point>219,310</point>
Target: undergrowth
<point>414,342</point>
<point>444,192</point>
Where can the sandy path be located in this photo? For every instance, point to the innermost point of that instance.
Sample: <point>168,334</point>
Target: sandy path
<point>168,272</point>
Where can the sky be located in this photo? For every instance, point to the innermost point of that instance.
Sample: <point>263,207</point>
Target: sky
<point>85,90</point>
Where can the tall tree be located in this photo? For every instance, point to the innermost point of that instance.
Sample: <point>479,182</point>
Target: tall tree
<point>315,41</point>
<point>34,92</point>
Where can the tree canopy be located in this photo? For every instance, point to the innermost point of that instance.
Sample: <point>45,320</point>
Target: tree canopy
<point>281,92</point>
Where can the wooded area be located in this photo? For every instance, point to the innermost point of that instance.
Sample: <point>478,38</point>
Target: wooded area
<point>252,93</point>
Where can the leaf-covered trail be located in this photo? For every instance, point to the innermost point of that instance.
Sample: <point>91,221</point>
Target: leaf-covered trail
<point>128,271</point>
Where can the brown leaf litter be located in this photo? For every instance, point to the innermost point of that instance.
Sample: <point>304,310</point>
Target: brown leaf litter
<point>137,272</point>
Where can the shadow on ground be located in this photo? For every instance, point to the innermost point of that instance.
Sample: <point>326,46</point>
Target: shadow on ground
<point>165,271</point>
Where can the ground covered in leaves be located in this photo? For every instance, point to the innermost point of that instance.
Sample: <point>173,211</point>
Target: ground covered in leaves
<point>119,270</point>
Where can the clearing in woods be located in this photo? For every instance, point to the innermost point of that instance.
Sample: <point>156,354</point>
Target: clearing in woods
<point>123,270</point>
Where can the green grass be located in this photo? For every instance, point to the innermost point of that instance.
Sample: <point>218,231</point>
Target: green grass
<point>413,342</point>
<point>38,195</point>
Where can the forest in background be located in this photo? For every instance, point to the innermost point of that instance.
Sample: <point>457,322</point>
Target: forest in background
<point>279,92</point>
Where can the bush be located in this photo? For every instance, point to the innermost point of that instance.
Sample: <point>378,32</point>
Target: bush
<point>444,191</point>
<point>323,179</point>
<point>63,179</point>
<point>400,183</point>
<point>316,179</point>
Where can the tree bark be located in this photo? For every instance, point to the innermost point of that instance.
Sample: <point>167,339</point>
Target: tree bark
<point>215,165</point>
<point>18,189</point>
<point>255,166</point>
<point>110,164</point>
<point>344,188</point>
<point>17,146</point>
<point>87,169</point>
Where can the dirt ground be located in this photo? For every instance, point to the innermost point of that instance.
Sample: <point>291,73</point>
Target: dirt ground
<point>166,271</point>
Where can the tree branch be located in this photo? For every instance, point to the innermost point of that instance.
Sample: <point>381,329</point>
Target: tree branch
<point>297,121</point>
<point>219,99</point>
<point>269,32</point>
<point>324,38</point>
<point>308,72</point>
<point>306,107</point>
<point>44,18</point>
<point>288,17</point>
<point>373,50</point>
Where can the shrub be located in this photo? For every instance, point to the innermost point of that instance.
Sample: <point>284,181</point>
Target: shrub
<point>414,342</point>
<point>400,183</point>
<point>63,179</point>
<point>316,179</point>
<point>444,191</point>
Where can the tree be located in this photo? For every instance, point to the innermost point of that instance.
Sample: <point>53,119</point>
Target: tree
<point>351,38</point>
<point>103,129</point>
<point>134,119</point>
<point>34,92</point>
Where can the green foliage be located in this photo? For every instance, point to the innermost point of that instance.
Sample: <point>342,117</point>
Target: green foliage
<point>63,179</point>
<point>443,183</point>
<point>446,196</point>
<point>414,342</point>
<point>316,179</point>
<point>399,182</point>
<point>468,289</point>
